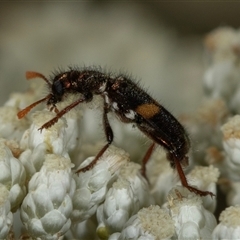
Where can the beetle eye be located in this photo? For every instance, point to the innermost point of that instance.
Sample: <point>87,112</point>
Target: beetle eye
<point>57,88</point>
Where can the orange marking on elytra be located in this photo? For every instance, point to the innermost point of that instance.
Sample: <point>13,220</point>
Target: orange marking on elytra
<point>148,110</point>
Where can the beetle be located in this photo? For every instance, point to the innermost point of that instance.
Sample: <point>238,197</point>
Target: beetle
<point>129,102</point>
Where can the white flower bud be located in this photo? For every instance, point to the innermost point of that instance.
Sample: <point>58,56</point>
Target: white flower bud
<point>149,224</point>
<point>126,196</point>
<point>233,193</point>
<point>46,209</point>
<point>205,178</point>
<point>13,146</point>
<point>228,160</point>
<point>12,175</point>
<point>58,139</point>
<point>6,216</point>
<point>10,126</point>
<point>192,220</point>
<point>203,126</point>
<point>223,43</point>
<point>93,184</point>
<point>231,144</point>
<point>84,230</point>
<point>114,236</point>
<point>229,226</point>
<point>159,172</point>
<point>221,79</point>
<point>32,160</point>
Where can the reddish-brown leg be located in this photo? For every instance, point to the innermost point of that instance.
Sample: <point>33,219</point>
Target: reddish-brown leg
<point>109,135</point>
<point>60,114</point>
<point>185,183</point>
<point>92,163</point>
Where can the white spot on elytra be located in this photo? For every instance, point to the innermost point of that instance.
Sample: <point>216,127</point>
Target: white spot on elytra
<point>102,87</point>
<point>130,115</point>
<point>115,106</point>
<point>106,98</point>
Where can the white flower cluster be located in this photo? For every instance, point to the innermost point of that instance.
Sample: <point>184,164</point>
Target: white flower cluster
<point>229,226</point>
<point>216,126</point>
<point>221,79</point>
<point>112,200</point>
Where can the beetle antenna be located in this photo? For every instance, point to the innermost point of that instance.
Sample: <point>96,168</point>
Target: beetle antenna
<point>31,75</point>
<point>26,110</point>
